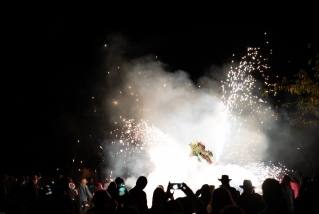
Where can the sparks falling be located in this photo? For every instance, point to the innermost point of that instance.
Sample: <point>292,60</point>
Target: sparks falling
<point>156,114</point>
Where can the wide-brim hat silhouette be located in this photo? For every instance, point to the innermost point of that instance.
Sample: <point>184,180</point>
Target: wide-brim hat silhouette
<point>247,184</point>
<point>224,178</point>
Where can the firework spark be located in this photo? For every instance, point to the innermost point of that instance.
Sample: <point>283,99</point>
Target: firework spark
<point>230,125</point>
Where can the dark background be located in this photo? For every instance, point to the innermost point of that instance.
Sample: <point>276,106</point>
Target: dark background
<point>54,56</point>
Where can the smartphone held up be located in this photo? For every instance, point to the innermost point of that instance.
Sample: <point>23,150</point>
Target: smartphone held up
<point>176,186</point>
<point>121,189</point>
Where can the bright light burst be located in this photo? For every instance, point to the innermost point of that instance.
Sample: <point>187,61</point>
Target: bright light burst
<point>235,132</point>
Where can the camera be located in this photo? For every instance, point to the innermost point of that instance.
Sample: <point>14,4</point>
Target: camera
<point>176,186</point>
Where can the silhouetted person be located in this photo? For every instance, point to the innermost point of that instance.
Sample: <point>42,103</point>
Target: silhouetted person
<point>157,194</point>
<point>221,198</point>
<point>112,190</point>
<point>273,197</point>
<point>288,192</point>
<point>247,201</point>
<point>225,183</point>
<point>205,196</point>
<point>102,202</point>
<point>139,196</point>
<point>160,197</point>
<point>307,202</point>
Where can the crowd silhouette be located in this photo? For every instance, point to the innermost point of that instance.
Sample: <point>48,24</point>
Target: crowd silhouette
<point>25,194</point>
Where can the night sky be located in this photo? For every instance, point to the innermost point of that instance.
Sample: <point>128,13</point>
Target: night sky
<point>55,55</point>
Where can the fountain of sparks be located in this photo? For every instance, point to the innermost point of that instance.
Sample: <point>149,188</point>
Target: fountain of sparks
<point>233,130</point>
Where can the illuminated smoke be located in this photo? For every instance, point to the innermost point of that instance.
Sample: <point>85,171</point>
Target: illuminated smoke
<point>157,114</point>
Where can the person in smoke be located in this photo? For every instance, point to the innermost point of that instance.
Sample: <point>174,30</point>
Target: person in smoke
<point>119,181</point>
<point>288,192</point>
<point>139,196</point>
<point>103,203</point>
<point>205,196</point>
<point>220,199</point>
<point>273,197</point>
<point>247,201</point>
<point>225,183</point>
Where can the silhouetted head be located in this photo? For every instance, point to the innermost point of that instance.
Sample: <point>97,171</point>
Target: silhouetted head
<point>225,179</point>
<point>112,189</point>
<point>141,182</point>
<point>247,186</point>
<point>285,180</point>
<point>157,195</point>
<point>101,198</point>
<point>272,192</point>
<point>220,199</point>
<point>119,181</point>
<point>206,195</point>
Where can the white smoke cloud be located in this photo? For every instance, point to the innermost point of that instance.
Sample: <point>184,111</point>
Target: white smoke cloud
<point>183,111</point>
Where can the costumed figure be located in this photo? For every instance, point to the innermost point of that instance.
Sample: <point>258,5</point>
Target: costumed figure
<point>198,150</point>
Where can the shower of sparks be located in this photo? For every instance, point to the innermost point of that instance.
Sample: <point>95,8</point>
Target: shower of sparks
<point>139,148</point>
<point>242,97</point>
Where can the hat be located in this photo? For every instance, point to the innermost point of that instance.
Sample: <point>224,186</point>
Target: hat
<point>99,186</point>
<point>225,178</point>
<point>247,184</point>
